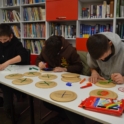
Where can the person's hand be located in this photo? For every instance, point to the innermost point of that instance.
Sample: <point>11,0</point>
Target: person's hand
<point>4,65</point>
<point>95,77</point>
<point>42,65</point>
<point>117,77</point>
<point>59,69</point>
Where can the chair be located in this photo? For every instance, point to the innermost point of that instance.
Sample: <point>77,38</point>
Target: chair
<point>86,69</point>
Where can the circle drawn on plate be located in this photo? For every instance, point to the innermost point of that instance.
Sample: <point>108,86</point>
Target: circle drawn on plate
<point>102,93</point>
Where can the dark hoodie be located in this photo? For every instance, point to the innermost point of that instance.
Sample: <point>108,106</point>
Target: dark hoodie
<point>11,49</point>
<point>67,58</point>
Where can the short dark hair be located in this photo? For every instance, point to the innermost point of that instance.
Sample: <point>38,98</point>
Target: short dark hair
<point>5,30</point>
<point>53,46</point>
<point>97,45</point>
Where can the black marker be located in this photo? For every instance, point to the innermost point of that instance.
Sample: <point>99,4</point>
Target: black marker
<point>101,106</point>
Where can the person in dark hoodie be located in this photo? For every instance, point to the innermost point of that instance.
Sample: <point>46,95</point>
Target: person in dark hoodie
<point>105,57</point>
<point>60,55</point>
<point>11,52</point>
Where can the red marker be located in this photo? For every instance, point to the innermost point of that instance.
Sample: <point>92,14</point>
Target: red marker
<point>87,85</point>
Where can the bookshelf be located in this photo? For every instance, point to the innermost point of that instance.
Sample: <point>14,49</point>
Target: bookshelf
<point>120,18</point>
<point>113,21</point>
<point>62,17</point>
<point>116,21</point>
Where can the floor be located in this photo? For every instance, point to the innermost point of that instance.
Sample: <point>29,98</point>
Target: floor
<point>39,112</point>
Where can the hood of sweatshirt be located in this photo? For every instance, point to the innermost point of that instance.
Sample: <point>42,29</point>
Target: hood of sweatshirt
<point>65,44</point>
<point>113,38</point>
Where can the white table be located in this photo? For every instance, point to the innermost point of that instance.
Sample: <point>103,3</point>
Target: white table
<point>43,94</point>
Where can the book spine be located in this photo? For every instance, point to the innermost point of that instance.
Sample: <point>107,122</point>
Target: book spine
<point>118,9</point>
<point>108,11</point>
<point>111,8</point>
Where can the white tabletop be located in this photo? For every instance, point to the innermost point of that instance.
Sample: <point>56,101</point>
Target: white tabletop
<point>44,94</point>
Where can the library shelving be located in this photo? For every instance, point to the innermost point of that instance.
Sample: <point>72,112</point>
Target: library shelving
<point>120,18</point>
<point>61,17</point>
<point>76,20</point>
<point>94,16</point>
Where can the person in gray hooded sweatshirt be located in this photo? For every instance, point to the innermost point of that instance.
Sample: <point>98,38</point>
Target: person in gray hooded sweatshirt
<point>106,57</point>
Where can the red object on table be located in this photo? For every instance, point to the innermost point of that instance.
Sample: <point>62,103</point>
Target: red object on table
<point>98,104</point>
<point>82,80</point>
<point>87,85</point>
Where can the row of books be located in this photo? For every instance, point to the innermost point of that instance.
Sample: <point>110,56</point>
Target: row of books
<point>99,11</point>
<point>120,29</point>
<point>89,30</point>
<point>120,8</point>
<point>33,13</point>
<point>67,31</point>
<point>16,30</point>
<point>17,2</point>
<point>35,30</point>
<point>32,1</point>
<point>11,16</point>
<point>11,2</point>
<point>35,46</point>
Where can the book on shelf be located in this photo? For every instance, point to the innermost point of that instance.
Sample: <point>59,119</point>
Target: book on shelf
<point>34,13</point>
<point>11,16</point>
<point>67,31</point>
<point>16,30</point>
<point>91,11</point>
<point>11,2</point>
<point>34,30</point>
<point>121,11</point>
<point>108,11</point>
<point>120,8</point>
<point>120,29</point>
<point>32,1</point>
<point>103,10</point>
<point>43,11</point>
<point>89,30</point>
<point>35,46</point>
<point>111,8</point>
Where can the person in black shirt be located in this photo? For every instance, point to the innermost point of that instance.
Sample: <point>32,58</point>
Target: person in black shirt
<point>11,52</point>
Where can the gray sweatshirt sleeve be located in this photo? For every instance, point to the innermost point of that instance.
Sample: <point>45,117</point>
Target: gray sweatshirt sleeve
<point>91,62</point>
